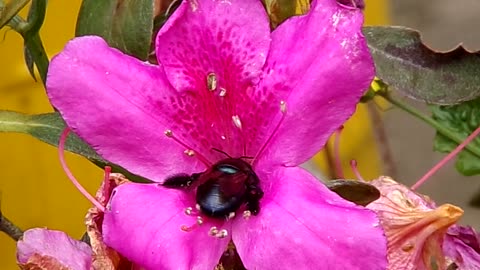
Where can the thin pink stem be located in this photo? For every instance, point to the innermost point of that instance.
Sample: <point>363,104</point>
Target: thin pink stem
<point>353,165</point>
<point>336,153</point>
<point>446,159</point>
<point>61,149</point>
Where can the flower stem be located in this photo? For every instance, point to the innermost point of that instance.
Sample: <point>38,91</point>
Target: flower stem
<point>9,228</point>
<point>10,10</point>
<point>432,122</point>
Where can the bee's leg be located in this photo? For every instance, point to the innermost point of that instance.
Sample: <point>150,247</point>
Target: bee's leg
<point>254,194</point>
<point>180,180</point>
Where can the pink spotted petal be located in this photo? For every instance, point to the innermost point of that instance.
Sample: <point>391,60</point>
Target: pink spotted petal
<point>119,105</point>
<point>52,250</point>
<point>303,225</point>
<point>144,225</point>
<point>320,65</point>
<point>229,39</point>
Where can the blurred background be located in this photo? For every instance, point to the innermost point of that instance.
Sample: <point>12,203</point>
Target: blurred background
<point>34,191</point>
<point>444,24</point>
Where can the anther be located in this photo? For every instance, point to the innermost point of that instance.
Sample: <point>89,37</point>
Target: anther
<point>199,220</point>
<point>197,206</point>
<point>236,121</point>
<point>223,92</point>
<point>213,231</point>
<point>283,106</point>
<point>188,210</point>
<point>169,133</point>
<point>189,152</point>
<point>211,81</point>
<point>223,137</point>
<point>247,214</point>
<point>231,215</point>
<point>222,234</point>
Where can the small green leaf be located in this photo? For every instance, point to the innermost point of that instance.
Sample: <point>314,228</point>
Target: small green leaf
<point>48,128</point>
<point>462,119</point>
<point>407,65</point>
<point>360,193</point>
<point>125,24</point>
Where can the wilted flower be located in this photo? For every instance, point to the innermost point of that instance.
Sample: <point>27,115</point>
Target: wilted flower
<point>462,247</point>
<point>48,249</point>
<point>226,83</point>
<point>415,227</point>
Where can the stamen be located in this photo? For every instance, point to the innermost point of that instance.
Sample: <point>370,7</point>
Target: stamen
<point>212,82</point>
<point>247,214</point>
<point>61,149</point>
<point>336,151</point>
<point>353,165</point>
<point>213,231</point>
<point>446,159</point>
<point>223,92</point>
<point>188,211</point>
<point>237,122</point>
<point>222,234</point>
<point>189,152</point>
<point>197,206</point>
<point>231,215</point>
<point>169,133</point>
<point>198,222</point>
<point>283,110</point>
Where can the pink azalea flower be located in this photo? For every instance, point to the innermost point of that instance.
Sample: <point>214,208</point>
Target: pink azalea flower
<point>225,81</point>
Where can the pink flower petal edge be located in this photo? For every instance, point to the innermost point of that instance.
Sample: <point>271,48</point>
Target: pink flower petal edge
<point>321,82</point>
<point>302,223</point>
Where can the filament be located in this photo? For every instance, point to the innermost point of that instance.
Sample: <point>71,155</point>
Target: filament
<point>61,150</point>
<point>446,159</point>
<point>336,153</point>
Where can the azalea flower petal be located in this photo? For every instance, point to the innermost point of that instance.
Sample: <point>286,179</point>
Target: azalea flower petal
<point>115,103</point>
<point>144,222</point>
<point>52,250</point>
<point>462,246</point>
<point>226,41</point>
<point>298,213</point>
<point>320,65</point>
<point>228,38</point>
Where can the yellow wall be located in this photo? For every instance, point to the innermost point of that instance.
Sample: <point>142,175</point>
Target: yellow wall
<point>34,190</point>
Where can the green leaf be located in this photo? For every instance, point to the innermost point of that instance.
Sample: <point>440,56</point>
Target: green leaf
<point>360,193</point>
<point>462,119</point>
<point>124,24</point>
<point>406,64</point>
<point>48,128</point>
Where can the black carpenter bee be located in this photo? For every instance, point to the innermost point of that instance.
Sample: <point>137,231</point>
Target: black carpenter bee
<point>222,188</point>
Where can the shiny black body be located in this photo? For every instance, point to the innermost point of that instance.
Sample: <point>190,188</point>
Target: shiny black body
<point>223,188</point>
